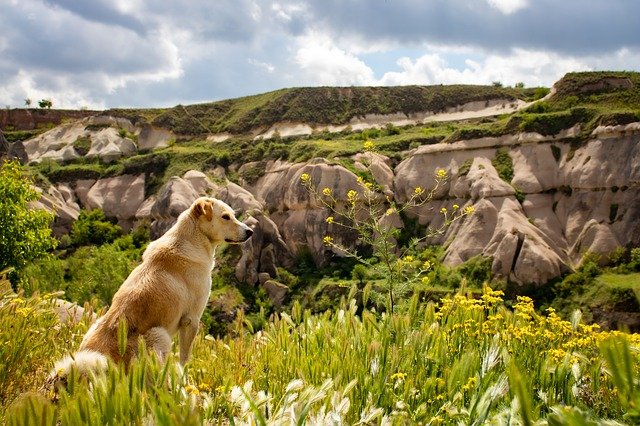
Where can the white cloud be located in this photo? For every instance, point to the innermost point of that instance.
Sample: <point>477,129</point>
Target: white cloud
<point>534,68</point>
<point>264,65</point>
<point>324,63</point>
<point>508,6</point>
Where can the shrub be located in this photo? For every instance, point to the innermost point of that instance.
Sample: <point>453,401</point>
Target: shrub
<point>465,167</point>
<point>25,234</point>
<point>82,145</point>
<point>93,228</point>
<point>477,270</point>
<point>503,165</point>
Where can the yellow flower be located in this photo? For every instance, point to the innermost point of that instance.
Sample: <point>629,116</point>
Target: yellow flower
<point>192,390</point>
<point>425,280</point>
<point>443,210</point>
<point>418,191</point>
<point>456,207</point>
<point>329,219</point>
<point>327,240</point>
<point>441,174</point>
<point>368,146</point>
<point>352,196</point>
<point>426,265</point>
<point>305,178</point>
<point>469,210</point>
<point>204,387</point>
<point>327,192</point>
<point>408,259</point>
<point>390,211</point>
<point>399,375</point>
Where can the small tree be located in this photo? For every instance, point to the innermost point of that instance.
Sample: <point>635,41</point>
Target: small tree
<point>366,212</point>
<point>520,85</point>
<point>27,102</point>
<point>45,103</point>
<point>24,232</point>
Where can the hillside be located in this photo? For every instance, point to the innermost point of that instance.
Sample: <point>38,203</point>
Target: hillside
<point>549,181</point>
<point>314,107</point>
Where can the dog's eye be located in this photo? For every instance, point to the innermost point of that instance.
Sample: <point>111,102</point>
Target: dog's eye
<point>226,217</point>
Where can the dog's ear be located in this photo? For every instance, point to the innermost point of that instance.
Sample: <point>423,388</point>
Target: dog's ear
<point>203,208</point>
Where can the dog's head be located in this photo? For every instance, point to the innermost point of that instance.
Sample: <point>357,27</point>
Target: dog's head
<point>218,221</point>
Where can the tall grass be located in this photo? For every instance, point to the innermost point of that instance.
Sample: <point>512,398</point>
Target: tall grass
<point>465,360</point>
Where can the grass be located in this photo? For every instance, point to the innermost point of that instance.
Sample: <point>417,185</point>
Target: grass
<point>314,105</point>
<point>464,360</point>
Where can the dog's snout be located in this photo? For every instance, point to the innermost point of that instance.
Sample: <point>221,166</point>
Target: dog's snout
<point>249,232</point>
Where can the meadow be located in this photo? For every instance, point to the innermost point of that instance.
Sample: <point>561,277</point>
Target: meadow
<point>464,360</point>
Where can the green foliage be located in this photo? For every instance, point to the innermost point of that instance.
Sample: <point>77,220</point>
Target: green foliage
<point>82,145</point>
<point>477,270</point>
<point>465,167</point>
<point>45,103</point>
<point>90,273</point>
<point>503,164</point>
<point>315,105</point>
<point>93,228</point>
<point>553,122</point>
<point>465,360</point>
<point>25,234</point>
<point>540,93</point>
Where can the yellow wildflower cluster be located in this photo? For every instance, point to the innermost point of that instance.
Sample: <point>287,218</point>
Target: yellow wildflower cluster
<point>327,192</point>
<point>305,178</point>
<point>418,191</point>
<point>352,196</point>
<point>368,146</point>
<point>441,174</point>
<point>329,220</point>
<point>523,327</point>
<point>398,376</point>
<point>327,240</point>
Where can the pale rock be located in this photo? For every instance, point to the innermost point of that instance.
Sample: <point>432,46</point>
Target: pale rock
<point>595,238</point>
<point>174,197</point>
<point>151,137</point>
<point>144,211</point>
<point>82,188</point>
<point>276,291</point>
<point>109,146</point>
<point>263,252</point>
<point>65,213</point>
<point>198,180</point>
<point>118,197</point>
<point>379,166</point>
<point>486,183</point>
<point>238,198</point>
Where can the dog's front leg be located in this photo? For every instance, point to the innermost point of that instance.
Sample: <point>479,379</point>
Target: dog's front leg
<point>188,331</point>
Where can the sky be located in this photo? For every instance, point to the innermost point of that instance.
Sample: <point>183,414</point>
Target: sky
<point>102,54</point>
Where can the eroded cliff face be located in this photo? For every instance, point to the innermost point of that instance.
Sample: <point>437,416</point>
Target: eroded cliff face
<point>564,198</point>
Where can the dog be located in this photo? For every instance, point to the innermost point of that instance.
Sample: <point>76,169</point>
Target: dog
<point>165,295</point>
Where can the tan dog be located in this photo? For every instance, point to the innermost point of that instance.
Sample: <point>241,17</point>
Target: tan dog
<point>166,294</point>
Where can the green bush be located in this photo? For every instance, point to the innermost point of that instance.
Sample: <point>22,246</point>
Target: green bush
<point>503,165</point>
<point>477,270</point>
<point>465,167</point>
<point>82,145</point>
<point>24,232</point>
<point>93,228</point>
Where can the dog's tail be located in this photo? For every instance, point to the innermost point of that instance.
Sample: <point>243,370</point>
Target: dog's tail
<point>83,363</point>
